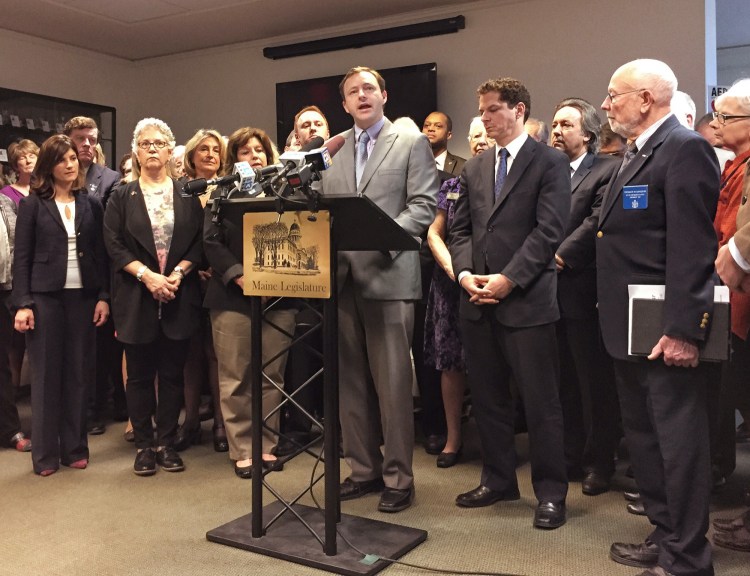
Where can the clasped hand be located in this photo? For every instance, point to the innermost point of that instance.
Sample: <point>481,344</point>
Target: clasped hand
<point>486,288</point>
<point>162,288</point>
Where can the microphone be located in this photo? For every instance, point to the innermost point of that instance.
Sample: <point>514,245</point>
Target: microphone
<point>242,173</point>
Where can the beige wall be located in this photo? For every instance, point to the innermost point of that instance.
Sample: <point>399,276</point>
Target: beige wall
<point>558,49</point>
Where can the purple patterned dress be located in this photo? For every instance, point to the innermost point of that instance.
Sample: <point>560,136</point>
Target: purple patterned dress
<point>442,341</point>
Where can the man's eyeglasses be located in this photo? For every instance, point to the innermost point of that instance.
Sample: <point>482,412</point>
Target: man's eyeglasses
<point>145,144</point>
<point>613,97</point>
<point>722,118</point>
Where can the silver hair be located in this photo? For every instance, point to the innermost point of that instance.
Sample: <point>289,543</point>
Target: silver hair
<point>682,106</point>
<point>474,121</point>
<point>740,92</point>
<point>160,125</point>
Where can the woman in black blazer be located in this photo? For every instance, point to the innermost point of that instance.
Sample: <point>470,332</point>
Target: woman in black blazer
<point>153,236</point>
<point>60,293</point>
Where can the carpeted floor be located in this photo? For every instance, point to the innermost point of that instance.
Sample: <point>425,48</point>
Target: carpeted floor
<point>107,521</point>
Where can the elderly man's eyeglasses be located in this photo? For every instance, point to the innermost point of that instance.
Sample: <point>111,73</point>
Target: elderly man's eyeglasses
<point>146,144</point>
<point>613,97</point>
<point>722,118</point>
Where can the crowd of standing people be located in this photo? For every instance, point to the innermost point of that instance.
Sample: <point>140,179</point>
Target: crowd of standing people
<point>518,300</point>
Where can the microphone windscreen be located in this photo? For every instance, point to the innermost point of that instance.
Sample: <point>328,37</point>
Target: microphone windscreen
<point>194,187</point>
<point>334,144</point>
<point>312,144</point>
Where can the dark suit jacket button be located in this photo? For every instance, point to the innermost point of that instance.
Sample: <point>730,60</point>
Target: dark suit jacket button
<point>80,254</point>
<point>490,229</point>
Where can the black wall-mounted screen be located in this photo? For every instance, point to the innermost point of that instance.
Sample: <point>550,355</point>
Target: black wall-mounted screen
<point>412,92</point>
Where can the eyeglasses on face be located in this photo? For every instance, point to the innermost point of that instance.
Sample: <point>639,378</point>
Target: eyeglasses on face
<point>613,97</point>
<point>722,118</point>
<point>146,144</point>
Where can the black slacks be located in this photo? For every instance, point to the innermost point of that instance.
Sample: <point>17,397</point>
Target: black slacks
<point>61,349</point>
<point>494,353</point>
<point>9,421</point>
<point>665,417</point>
<point>164,358</point>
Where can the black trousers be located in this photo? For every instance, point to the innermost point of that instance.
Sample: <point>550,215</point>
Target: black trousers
<point>10,424</point>
<point>60,352</point>
<point>494,354</point>
<point>665,416</point>
<point>164,358</point>
<point>589,397</point>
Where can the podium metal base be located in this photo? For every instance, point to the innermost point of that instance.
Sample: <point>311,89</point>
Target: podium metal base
<point>287,539</point>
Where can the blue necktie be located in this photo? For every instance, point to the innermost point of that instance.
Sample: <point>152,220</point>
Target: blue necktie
<point>359,166</point>
<point>502,169</point>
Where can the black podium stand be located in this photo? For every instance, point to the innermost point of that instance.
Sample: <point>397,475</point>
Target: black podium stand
<point>298,533</point>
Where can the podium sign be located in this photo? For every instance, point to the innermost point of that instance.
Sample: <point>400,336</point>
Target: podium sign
<point>289,254</point>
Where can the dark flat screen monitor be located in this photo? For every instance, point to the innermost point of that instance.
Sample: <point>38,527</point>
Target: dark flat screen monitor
<point>412,92</point>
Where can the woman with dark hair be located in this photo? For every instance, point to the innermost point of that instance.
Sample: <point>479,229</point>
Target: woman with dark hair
<point>153,236</point>
<point>126,167</point>
<point>230,320</point>
<point>60,293</point>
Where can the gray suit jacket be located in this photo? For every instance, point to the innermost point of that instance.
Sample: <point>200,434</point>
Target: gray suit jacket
<point>401,178</point>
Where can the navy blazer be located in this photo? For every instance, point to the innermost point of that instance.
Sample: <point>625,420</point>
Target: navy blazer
<point>128,237</point>
<point>515,235</point>
<point>40,262</point>
<point>671,242</point>
<point>100,181</point>
<point>576,286</point>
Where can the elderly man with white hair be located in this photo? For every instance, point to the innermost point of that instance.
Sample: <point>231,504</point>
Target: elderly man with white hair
<point>656,227</point>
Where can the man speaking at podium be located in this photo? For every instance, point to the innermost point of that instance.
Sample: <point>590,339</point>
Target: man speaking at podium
<point>376,294</point>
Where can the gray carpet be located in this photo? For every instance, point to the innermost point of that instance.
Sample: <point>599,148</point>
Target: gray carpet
<point>106,521</point>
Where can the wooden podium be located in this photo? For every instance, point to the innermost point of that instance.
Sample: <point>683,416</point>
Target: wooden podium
<point>295,532</point>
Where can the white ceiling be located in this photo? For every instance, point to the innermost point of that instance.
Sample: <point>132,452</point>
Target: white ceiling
<point>139,29</point>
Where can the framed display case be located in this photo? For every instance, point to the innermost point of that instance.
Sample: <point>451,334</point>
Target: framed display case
<point>37,117</point>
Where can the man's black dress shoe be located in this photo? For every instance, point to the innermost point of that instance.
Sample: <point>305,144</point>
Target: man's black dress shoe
<point>643,555</point>
<point>96,428</point>
<point>434,444</point>
<point>186,437</point>
<point>145,463</point>
<point>394,500</point>
<point>731,524</point>
<point>350,489</point>
<point>169,460</point>
<point>244,472</point>
<point>448,459</point>
<point>631,496</point>
<point>595,483</point>
<point>549,515</point>
<point>636,508</point>
<point>483,496</point>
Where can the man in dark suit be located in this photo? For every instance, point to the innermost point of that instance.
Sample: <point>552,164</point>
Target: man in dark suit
<point>655,227</point>
<point>377,291</point>
<point>510,219</point>
<point>100,181</point>
<point>438,127</point>
<point>587,383</point>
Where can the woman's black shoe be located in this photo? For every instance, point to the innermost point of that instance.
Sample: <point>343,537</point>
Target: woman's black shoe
<point>244,472</point>
<point>273,465</point>
<point>186,437</point>
<point>220,439</point>
<point>448,459</point>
